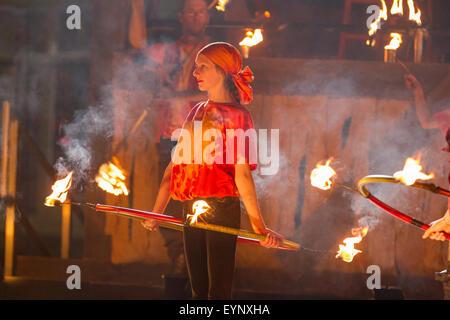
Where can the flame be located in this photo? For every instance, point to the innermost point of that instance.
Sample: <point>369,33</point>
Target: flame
<point>383,15</point>
<point>413,15</point>
<point>111,179</point>
<point>267,14</point>
<point>321,175</point>
<point>347,252</point>
<point>252,38</point>
<point>397,7</point>
<point>60,190</point>
<point>199,207</point>
<point>221,5</point>
<point>396,40</point>
<point>412,172</point>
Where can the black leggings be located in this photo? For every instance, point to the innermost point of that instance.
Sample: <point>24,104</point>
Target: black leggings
<point>210,255</point>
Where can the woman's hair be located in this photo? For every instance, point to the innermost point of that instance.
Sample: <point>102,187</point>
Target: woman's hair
<point>229,84</point>
<point>228,59</point>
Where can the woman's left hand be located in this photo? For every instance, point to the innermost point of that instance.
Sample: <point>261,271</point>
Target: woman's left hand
<point>272,240</point>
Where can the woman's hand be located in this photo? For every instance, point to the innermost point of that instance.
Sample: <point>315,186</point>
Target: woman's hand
<point>150,224</point>
<point>438,227</point>
<point>412,83</point>
<point>272,240</point>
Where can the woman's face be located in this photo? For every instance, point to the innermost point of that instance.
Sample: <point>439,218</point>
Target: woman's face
<point>208,76</point>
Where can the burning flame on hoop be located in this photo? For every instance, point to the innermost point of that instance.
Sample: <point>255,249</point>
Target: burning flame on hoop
<point>199,207</point>
<point>411,172</point>
<point>321,176</point>
<point>111,178</point>
<point>396,40</point>
<point>60,190</point>
<point>347,252</point>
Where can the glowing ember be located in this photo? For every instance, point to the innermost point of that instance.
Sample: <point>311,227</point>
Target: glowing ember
<point>396,40</point>
<point>111,179</point>
<point>199,207</point>
<point>397,7</point>
<point>347,252</point>
<point>221,5</point>
<point>321,176</point>
<point>413,15</point>
<point>60,190</point>
<point>412,172</point>
<point>267,14</point>
<point>252,38</point>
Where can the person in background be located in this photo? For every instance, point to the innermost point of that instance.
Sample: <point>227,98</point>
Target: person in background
<point>440,121</point>
<point>177,92</point>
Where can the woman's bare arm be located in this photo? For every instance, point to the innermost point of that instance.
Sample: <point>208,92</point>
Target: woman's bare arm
<point>246,187</point>
<point>423,113</point>
<point>162,199</point>
<point>137,32</point>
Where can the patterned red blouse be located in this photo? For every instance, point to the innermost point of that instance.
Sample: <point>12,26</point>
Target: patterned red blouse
<point>205,172</point>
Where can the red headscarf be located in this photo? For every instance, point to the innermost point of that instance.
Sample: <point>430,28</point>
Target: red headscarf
<point>228,58</point>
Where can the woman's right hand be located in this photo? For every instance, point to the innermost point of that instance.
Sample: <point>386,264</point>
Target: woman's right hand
<point>150,224</point>
<point>438,227</point>
<point>412,83</point>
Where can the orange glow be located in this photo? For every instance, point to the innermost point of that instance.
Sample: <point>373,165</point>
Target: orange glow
<point>347,252</point>
<point>413,15</point>
<point>267,14</point>
<point>397,7</point>
<point>60,190</point>
<point>111,178</point>
<point>321,176</point>
<point>199,207</point>
<point>412,172</point>
<point>252,38</point>
<point>396,40</point>
<point>221,5</point>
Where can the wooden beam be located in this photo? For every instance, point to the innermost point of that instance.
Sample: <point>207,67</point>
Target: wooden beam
<point>10,208</point>
<point>65,231</point>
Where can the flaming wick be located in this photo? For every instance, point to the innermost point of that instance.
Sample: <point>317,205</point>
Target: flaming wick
<point>60,190</point>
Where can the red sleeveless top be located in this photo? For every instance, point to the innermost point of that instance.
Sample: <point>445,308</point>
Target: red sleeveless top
<point>211,143</point>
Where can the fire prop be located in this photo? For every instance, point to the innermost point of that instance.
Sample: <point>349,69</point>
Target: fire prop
<point>388,179</point>
<point>321,176</point>
<point>60,190</point>
<point>413,15</point>
<point>199,207</point>
<point>221,5</point>
<point>111,178</point>
<point>170,222</point>
<point>347,252</point>
<point>251,39</point>
<point>390,50</point>
<point>396,9</point>
<point>411,172</point>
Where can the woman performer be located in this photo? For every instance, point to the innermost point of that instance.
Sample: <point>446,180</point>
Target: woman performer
<point>210,256</point>
<point>440,121</point>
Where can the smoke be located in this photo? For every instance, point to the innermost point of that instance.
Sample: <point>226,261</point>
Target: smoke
<point>92,122</point>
